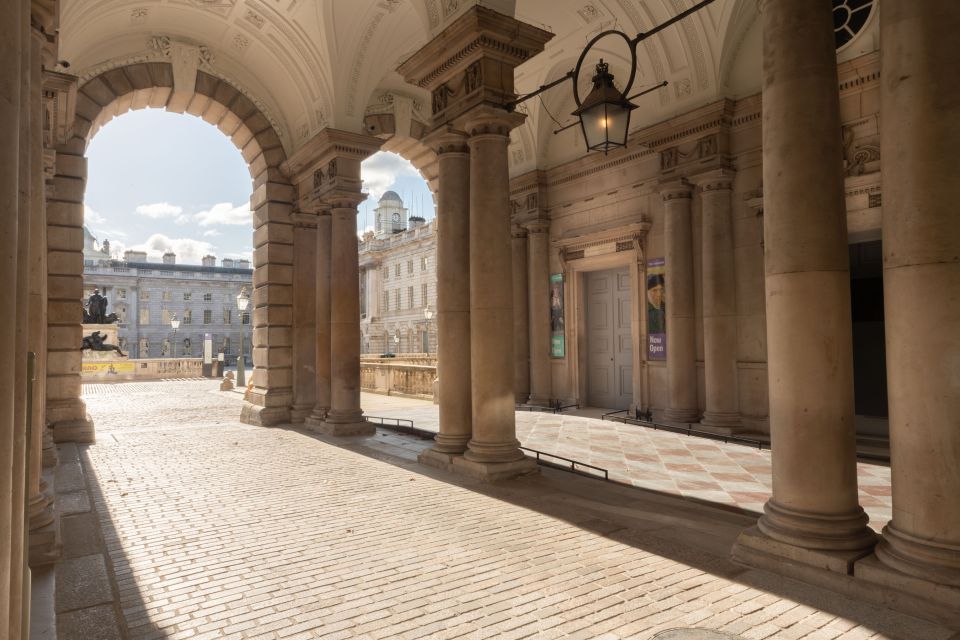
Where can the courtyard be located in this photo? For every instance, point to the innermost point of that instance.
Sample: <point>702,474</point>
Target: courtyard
<point>182,522</point>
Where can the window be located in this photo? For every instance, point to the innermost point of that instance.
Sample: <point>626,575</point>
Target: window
<point>167,295</point>
<point>245,318</point>
<point>144,295</point>
<point>122,294</point>
<point>386,273</point>
<point>227,315</point>
<point>187,295</point>
<point>226,345</point>
<point>207,316</point>
<point>396,298</point>
<point>423,263</point>
<point>423,295</point>
<point>208,297</point>
<point>363,294</point>
<point>409,266</point>
<point>410,296</point>
<point>187,316</point>
<point>386,301</point>
<point>144,316</point>
<point>165,316</point>
<point>396,269</point>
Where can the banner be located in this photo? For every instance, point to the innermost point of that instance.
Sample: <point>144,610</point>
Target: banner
<point>107,368</point>
<point>656,310</point>
<point>557,340</point>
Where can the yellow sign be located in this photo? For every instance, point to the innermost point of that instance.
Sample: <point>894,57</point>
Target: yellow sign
<point>108,368</point>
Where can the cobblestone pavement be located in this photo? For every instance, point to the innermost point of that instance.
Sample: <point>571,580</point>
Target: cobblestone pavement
<point>214,529</point>
<point>692,467</point>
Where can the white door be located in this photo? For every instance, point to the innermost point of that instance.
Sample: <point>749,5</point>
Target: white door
<point>609,343</point>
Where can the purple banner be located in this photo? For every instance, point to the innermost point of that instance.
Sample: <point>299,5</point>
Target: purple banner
<point>656,310</point>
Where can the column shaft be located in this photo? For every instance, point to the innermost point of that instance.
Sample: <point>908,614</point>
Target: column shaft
<point>722,412</point>
<point>814,503</point>
<point>322,348</point>
<point>681,328</point>
<point>345,416</point>
<point>921,282</point>
<point>491,302</point>
<point>453,296</point>
<point>539,304</point>
<point>521,335</point>
<point>304,319</point>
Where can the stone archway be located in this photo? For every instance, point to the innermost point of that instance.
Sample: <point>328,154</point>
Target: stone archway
<point>161,85</point>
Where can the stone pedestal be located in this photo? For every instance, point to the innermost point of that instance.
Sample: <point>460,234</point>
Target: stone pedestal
<point>814,506</point>
<point>681,323</point>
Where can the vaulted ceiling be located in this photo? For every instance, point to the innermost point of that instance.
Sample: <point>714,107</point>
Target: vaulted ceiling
<point>314,63</point>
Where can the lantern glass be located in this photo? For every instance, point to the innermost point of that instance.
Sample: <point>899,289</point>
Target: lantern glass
<point>243,300</point>
<point>174,323</point>
<point>605,113</point>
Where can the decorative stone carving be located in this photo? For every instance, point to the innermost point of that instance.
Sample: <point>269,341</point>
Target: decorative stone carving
<point>682,87</point>
<point>473,78</point>
<point>589,13</point>
<point>254,18</point>
<point>139,15</point>
<point>220,7</point>
<point>707,146</point>
<point>669,158</point>
<point>440,97</point>
<point>240,41</point>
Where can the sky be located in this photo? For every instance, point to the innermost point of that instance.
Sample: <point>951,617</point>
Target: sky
<point>160,181</point>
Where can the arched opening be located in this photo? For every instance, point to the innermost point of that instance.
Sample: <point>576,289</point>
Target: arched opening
<point>151,84</point>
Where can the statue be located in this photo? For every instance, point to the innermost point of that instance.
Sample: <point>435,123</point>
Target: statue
<point>95,342</point>
<point>96,310</point>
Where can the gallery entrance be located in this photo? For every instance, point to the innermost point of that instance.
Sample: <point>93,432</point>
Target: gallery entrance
<point>869,349</point>
<point>609,342</point>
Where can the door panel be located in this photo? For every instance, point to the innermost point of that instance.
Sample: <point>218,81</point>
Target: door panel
<point>609,341</point>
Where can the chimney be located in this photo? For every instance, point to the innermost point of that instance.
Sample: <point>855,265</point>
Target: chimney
<point>135,256</point>
<point>209,261</point>
<point>228,263</point>
<point>169,258</point>
<point>243,264</point>
<point>416,221</point>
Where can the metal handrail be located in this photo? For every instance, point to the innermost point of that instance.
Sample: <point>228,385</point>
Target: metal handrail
<point>573,463</point>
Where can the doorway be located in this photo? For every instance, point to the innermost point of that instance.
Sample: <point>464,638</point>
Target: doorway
<point>609,342</point>
<point>869,348</point>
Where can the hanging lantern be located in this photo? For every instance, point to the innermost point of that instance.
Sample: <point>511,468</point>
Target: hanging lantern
<point>605,113</point>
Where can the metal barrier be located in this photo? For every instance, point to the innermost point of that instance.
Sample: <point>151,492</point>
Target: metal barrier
<point>573,463</point>
<point>401,425</point>
<point>553,407</point>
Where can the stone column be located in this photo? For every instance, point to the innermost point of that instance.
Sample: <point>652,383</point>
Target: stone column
<point>521,328</point>
<point>681,336</point>
<point>814,507</point>
<point>921,286</point>
<point>539,303</point>
<point>345,416</point>
<point>304,316</point>
<point>493,451</point>
<point>453,297</point>
<point>322,323</point>
<point>722,413</point>
<point>41,546</point>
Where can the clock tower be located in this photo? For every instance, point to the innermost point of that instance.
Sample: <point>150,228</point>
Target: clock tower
<point>391,215</point>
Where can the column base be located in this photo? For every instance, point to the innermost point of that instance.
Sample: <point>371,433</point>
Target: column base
<point>721,423</point>
<point>39,511</point>
<point>493,471</point>
<point>264,416</point>
<point>317,418</point>
<point>49,449</point>
<point>450,444</point>
<point>299,413</point>
<point>344,429</point>
<point>679,415</point>
<point>45,545</point>
<point>538,401</point>
<point>754,548</point>
<point>846,532</point>
<point>80,431</point>
<point>922,559</point>
<point>908,593</point>
<point>493,452</point>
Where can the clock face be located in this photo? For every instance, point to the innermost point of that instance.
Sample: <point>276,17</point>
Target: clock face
<point>396,217</point>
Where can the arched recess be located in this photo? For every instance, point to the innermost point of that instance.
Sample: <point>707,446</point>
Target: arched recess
<point>151,84</point>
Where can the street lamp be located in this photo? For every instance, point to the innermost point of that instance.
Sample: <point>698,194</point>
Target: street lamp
<point>604,115</point>
<point>174,324</point>
<point>428,316</point>
<point>396,341</point>
<point>243,299</point>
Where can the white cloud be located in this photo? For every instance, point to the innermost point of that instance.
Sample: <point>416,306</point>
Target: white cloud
<point>210,233</point>
<point>225,213</point>
<point>188,250</point>
<point>380,171</point>
<point>92,217</point>
<point>182,219</point>
<point>159,210</point>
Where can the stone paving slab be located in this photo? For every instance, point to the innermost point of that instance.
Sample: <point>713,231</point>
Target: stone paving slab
<point>220,530</point>
<point>687,466</point>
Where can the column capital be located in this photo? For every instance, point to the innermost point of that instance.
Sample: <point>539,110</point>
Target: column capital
<point>488,119</point>
<point>518,231</point>
<point>447,139</point>
<point>305,219</point>
<point>716,180</point>
<point>676,189</point>
<point>538,226</point>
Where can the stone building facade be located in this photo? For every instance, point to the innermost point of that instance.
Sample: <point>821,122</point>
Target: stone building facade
<point>725,269</point>
<point>398,282</point>
<point>146,296</point>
